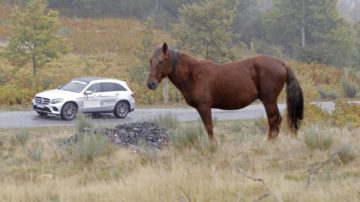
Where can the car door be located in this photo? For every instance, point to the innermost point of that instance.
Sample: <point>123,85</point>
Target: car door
<point>109,95</point>
<point>92,99</point>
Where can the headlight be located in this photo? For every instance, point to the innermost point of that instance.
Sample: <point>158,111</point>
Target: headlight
<point>57,100</point>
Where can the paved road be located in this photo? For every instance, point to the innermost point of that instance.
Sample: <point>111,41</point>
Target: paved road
<point>28,119</point>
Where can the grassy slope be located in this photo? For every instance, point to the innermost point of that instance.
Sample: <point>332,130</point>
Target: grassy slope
<point>102,47</point>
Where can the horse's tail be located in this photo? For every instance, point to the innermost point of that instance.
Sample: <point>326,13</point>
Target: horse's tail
<point>294,101</point>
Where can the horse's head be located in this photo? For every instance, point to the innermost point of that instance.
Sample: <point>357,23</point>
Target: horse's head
<point>160,66</point>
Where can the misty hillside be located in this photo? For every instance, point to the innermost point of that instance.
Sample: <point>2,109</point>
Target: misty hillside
<point>114,38</point>
<point>164,9</point>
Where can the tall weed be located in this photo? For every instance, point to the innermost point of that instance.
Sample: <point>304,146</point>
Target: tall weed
<point>83,122</point>
<point>193,136</point>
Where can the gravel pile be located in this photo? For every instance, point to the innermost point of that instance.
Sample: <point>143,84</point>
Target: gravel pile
<point>139,133</point>
<point>135,134</point>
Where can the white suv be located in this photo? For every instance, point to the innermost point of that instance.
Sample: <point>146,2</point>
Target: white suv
<point>86,95</point>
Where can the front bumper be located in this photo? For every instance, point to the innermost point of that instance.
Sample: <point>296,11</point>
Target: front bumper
<point>132,105</point>
<point>48,108</point>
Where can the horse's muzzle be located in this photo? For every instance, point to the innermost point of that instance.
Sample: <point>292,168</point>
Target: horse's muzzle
<point>152,85</point>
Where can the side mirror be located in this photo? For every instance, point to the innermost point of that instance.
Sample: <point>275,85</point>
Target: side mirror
<point>88,92</point>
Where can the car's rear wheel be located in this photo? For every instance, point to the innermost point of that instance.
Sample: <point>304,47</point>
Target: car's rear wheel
<point>42,113</point>
<point>121,109</point>
<point>68,111</point>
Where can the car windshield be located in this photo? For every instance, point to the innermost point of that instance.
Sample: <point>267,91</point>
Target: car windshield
<point>74,86</point>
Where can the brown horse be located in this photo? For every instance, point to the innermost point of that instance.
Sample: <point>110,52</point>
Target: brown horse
<point>206,85</point>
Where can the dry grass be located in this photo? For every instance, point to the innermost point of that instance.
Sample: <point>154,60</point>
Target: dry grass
<point>228,174</point>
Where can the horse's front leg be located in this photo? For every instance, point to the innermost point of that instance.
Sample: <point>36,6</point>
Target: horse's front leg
<point>205,114</point>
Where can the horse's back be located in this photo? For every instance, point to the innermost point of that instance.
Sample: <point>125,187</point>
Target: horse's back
<point>240,83</point>
<point>270,64</point>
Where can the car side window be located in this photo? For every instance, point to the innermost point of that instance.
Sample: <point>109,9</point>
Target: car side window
<point>120,87</point>
<point>95,88</point>
<point>108,87</point>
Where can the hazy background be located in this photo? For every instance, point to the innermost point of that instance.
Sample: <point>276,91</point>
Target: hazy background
<point>114,38</point>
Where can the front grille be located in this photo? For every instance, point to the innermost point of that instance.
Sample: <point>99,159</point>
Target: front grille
<point>41,100</point>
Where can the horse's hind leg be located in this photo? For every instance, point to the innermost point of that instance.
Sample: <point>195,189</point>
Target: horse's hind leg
<point>274,119</point>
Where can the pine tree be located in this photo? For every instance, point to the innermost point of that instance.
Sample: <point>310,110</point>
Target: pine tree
<point>311,31</point>
<point>205,28</point>
<point>35,36</point>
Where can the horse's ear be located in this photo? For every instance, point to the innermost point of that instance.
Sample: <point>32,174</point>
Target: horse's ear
<point>165,48</point>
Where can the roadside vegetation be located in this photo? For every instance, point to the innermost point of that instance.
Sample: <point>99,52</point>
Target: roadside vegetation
<point>320,164</point>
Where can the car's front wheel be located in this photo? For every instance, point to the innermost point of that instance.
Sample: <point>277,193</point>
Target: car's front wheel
<point>121,109</point>
<point>68,111</point>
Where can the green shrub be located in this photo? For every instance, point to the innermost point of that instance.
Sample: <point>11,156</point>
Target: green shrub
<point>346,114</point>
<point>317,137</point>
<point>187,137</point>
<point>327,95</point>
<point>90,146</point>
<point>168,121</point>
<point>20,137</point>
<point>345,153</point>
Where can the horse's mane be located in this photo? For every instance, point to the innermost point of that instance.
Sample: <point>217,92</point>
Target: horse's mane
<point>174,57</point>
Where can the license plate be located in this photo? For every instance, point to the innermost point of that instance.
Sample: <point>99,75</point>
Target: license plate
<point>40,106</point>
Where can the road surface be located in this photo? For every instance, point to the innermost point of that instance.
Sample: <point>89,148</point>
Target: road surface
<point>30,119</point>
